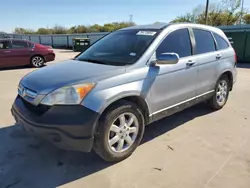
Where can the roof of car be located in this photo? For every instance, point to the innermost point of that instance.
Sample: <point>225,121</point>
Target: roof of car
<point>150,26</point>
<point>165,25</point>
<point>13,39</point>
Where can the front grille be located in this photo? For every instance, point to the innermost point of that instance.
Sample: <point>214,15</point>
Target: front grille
<point>25,92</point>
<point>37,110</point>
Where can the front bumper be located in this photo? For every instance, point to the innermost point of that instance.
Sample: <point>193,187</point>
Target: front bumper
<point>69,127</point>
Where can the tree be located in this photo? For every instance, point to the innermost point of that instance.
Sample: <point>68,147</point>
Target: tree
<point>94,28</point>
<point>57,29</point>
<point>44,31</point>
<point>78,29</point>
<point>231,7</point>
<point>225,13</point>
<point>246,18</point>
<point>20,30</point>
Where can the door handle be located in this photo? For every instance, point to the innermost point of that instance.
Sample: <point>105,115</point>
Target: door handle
<point>6,52</point>
<point>218,56</point>
<point>190,63</point>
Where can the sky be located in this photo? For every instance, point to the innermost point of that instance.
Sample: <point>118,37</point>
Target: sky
<point>46,13</point>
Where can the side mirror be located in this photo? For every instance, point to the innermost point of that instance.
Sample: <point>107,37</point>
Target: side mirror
<point>167,58</point>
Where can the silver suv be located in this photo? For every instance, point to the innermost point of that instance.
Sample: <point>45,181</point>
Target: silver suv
<point>104,97</point>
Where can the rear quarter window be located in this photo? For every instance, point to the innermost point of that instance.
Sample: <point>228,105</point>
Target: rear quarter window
<point>221,42</point>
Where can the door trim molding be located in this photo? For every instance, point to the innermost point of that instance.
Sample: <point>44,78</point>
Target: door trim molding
<point>172,106</point>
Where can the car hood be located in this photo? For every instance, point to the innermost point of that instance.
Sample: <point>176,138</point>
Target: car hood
<point>52,77</point>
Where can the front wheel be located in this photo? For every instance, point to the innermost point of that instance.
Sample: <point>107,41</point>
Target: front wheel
<point>221,93</point>
<point>119,132</point>
<point>37,61</point>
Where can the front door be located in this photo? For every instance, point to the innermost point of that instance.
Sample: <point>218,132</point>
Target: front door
<point>5,60</point>
<point>174,83</point>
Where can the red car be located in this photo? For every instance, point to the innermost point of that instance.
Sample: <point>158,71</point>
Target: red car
<point>17,52</point>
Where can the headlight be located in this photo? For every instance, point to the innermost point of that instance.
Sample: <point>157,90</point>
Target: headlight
<point>68,95</point>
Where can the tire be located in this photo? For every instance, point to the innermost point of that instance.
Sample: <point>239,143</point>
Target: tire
<point>220,96</point>
<point>37,61</point>
<point>104,134</point>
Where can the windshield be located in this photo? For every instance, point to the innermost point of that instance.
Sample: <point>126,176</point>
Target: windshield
<point>119,48</point>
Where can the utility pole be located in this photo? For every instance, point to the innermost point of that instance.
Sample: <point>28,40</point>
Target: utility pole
<point>130,18</point>
<point>241,12</point>
<point>206,13</point>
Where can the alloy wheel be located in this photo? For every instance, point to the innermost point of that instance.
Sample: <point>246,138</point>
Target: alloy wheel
<point>123,132</point>
<point>221,92</point>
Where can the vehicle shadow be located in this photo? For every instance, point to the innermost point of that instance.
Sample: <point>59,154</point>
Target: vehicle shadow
<point>19,68</point>
<point>14,68</point>
<point>27,161</point>
<point>244,65</point>
<point>67,51</point>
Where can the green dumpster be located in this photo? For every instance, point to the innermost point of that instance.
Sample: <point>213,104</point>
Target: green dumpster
<point>80,44</point>
<point>238,41</point>
<point>239,36</point>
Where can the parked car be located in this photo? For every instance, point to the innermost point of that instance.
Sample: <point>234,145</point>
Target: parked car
<point>103,98</point>
<point>16,52</point>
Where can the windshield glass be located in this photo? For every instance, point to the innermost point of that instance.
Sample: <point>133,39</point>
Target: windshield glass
<point>119,48</point>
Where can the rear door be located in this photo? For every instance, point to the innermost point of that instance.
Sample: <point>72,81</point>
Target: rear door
<point>223,49</point>
<point>5,60</point>
<point>207,59</point>
<point>20,53</point>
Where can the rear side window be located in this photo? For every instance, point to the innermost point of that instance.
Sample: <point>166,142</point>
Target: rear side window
<point>204,41</point>
<point>4,45</point>
<point>221,42</point>
<point>19,44</point>
<point>176,42</point>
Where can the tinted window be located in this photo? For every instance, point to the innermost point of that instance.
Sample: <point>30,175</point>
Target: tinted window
<point>222,43</point>
<point>4,45</point>
<point>204,41</point>
<point>176,42</point>
<point>19,44</point>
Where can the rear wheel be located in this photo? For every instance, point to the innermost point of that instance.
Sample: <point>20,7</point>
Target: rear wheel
<point>119,132</point>
<point>220,96</point>
<point>37,61</point>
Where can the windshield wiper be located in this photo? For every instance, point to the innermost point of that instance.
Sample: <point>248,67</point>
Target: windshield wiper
<point>93,61</point>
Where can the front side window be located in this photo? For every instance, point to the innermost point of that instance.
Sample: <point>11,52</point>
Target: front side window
<point>19,44</point>
<point>31,45</point>
<point>119,48</point>
<point>204,41</point>
<point>4,45</point>
<point>221,42</point>
<point>176,42</point>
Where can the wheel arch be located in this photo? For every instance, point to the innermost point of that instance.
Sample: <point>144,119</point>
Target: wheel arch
<point>229,75</point>
<point>136,99</point>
